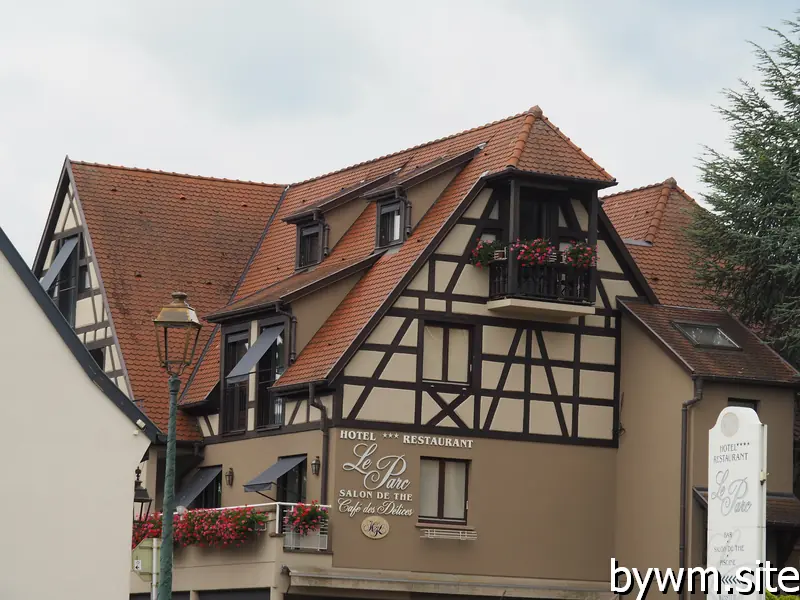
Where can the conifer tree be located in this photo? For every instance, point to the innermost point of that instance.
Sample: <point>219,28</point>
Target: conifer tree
<point>748,246</point>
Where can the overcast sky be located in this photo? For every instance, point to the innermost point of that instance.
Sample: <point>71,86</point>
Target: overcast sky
<point>279,92</point>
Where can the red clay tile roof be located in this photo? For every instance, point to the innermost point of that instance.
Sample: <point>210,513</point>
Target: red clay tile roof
<point>656,217</point>
<point>544,150</point>
<point>540,147</point>
<point>756,361</point>
<point>156,232</point>
<point>321,276</point>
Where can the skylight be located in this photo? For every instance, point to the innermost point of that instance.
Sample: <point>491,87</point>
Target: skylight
<point>706,336</point>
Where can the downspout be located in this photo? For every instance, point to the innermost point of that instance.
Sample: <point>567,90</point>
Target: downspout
<point>292,331</point>
<point>326,232</point>
<point>698,395</point>
<point>323,425</point>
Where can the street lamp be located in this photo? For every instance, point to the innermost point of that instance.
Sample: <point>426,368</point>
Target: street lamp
<point>141,497</point>
<point>177,331</point>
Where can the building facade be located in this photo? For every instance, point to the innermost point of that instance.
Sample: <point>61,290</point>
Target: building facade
<point>482,417</point>
<point>67,504</point>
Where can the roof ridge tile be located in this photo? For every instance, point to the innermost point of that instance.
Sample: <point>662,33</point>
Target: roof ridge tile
<point>409,149</point>
<point>658,212</point>
<point>522,137</point>
<point>174,174</point>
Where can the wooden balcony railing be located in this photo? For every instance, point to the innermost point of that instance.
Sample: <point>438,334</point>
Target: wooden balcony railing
<point>554,281</point>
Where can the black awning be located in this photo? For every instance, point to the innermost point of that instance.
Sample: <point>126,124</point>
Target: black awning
<point>265,480</point>
<point>58,262</point>
<point>254,354</point>
<point>194,485</point>
<point>783,509</point>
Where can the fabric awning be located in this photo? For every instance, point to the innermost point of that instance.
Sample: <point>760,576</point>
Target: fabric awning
<point>254,354</point>
<point>194,485</point>
<point>783,509</point>
<point>265,480</point>
<point>58,263</point>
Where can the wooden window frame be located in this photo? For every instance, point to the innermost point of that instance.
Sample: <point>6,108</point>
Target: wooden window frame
<point>271,398</point>
<point>385,206</point>
<point>446,327</point>
<point>440,518</point>
<point>227,333</point>
<point>308,229</point>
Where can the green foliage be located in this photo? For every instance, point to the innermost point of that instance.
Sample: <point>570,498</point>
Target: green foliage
<point>770,596</point>
<point>748,246</point>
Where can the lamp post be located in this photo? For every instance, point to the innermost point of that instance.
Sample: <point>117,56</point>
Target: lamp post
<point>177,331</point>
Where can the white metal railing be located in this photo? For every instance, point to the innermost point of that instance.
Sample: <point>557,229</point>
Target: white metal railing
<point>433,533</point>
<point>292,540</point>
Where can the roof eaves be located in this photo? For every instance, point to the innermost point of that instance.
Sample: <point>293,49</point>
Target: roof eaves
<point>437,167</point>
<point>70,339</point>
<point>339,198</point>
<point>515,172</point>
<point>61,186</point>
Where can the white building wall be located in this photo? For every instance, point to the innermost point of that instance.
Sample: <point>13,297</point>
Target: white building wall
<point>69,463</point>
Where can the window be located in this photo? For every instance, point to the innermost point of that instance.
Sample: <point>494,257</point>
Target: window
<point>234,401</point>
<point>446,353</point>
<point>443,490</point>
<point>65,291</point>
<point>99,356</point>
<point>309,245</point>
<point>211,496</point>
<point>270,367</point>
<point>706,336</point>
<point>292,484</point>
<point>538,215</point>
<point>390,223</point>
<point>743,403</point>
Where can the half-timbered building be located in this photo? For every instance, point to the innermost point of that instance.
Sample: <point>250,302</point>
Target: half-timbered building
<point>477,427</point>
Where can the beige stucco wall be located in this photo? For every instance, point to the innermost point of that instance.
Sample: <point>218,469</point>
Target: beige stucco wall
<point>653,387</point>
<point>313,310</point>
<point>340,219</point>
<point>539,510</point>
<point>423,195</point>
<point>70,454</point>
<point>250,457</point>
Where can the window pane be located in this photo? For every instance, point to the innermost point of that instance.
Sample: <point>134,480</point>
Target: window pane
<point>432,353</point>
<point>455,490</point>
<point>309,247</point>
<point>707,335</point>
<point>429,488</point>
<point>458,356</point>
<point>489,237</point>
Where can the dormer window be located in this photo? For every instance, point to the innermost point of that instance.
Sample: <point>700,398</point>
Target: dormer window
<point>309,244</point>
<point>391,217</point>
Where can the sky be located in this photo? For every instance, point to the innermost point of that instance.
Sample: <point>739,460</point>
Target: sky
<point>279,92</point>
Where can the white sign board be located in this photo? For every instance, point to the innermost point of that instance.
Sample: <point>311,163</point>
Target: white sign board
<point>737,500</point>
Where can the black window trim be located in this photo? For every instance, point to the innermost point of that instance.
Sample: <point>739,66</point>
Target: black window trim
<point>446,326</point>
<point>679,325</point>
<point>227,332</point>
<point>440,492</point>
<point>388,205</point>
<point>271,396</point>
<point>745,403</point>
<point>309,228</point>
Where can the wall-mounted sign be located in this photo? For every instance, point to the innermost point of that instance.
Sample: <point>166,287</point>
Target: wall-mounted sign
<point>375,527</point>
<point>737,496</point>
<point>384,488</point>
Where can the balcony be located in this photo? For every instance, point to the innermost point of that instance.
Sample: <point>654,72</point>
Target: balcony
<point>553,289</point>
<point>254,562</point>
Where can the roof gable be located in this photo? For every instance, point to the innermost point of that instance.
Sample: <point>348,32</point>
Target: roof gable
<point>154,232</point>
<point>73,344</point>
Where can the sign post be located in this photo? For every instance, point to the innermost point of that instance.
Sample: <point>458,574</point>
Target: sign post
<point>737,502</point>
